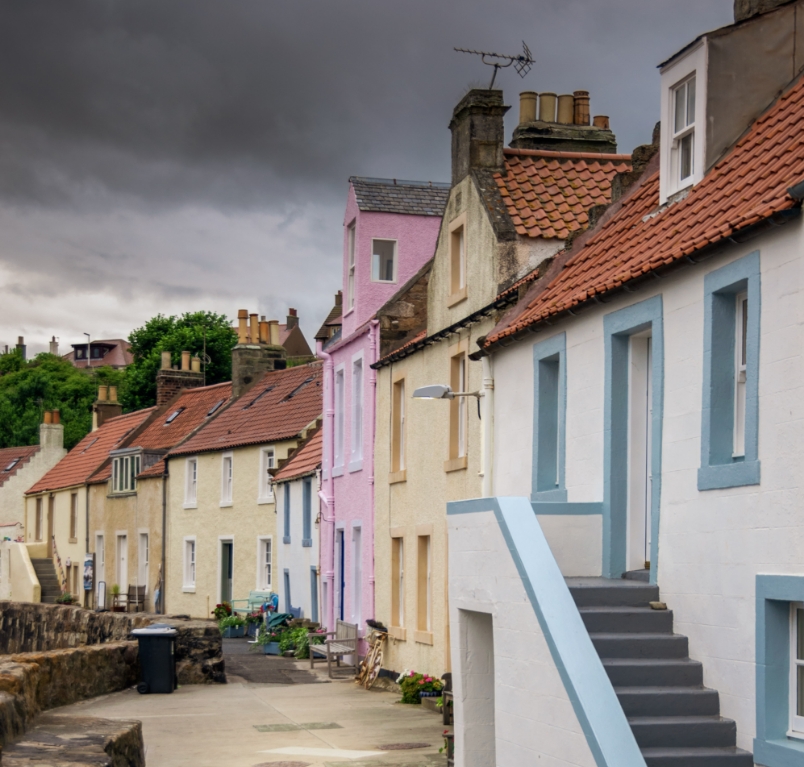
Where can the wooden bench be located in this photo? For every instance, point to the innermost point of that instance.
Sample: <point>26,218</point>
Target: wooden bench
<point>343,642</point>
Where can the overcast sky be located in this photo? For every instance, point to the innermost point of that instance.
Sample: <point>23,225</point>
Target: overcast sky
<point>195,154</point>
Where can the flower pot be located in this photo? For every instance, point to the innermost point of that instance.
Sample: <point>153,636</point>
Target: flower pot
<point>252,629</point>
<point>234,632</point>
<point>429,694</point>
<point>271,648</point>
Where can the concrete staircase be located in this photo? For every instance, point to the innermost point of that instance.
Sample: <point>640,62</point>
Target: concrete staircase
<point>48,580</point>
<point>676,720</point>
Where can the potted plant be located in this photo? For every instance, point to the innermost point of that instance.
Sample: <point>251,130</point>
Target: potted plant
<point>268,641</point>
<point>116,606</point>
<point>232,627</point>
<point>416,686</point>
<point>253,622</point>
<point>221,611</point>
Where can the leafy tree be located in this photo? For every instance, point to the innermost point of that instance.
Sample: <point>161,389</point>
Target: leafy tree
<point>47,382</point>
<point>176,334</point>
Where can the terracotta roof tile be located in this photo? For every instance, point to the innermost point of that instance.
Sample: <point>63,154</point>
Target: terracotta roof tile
<point>747,186</point>
<point>278,407</point>
<point>566,186</point>
<point>418,337</point>
<point>306,461</point>
<point>89,454</point>
<point>12,459</point>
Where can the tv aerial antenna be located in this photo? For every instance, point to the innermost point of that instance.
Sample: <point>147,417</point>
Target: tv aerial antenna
<point>522,63</point>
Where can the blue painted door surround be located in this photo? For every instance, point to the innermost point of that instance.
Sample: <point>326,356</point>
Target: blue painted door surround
<point>618,327</point>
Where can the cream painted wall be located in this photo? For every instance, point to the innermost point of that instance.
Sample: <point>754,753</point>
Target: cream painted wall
<point>130,514</point>
<point>713,543</point>
<point>242,522</point>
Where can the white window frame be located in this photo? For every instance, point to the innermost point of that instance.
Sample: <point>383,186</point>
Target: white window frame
<point>121,545</point>
<point>686,131</point>
<point>263,565</point>
<point>125,469</point>
<point>796,723</point>
<point>100,558</point>
<point>189,564</point>
<point>143,558</point>
<point>463,410</point>
<point>357,573</point>
<point>356,420</point>
<point>394,263</point>
<point>191,483</point>
<point>266,481</point>
<point>429,582</point>
<point>340,419</point>
<point>227,479</point>
<point>351,246</point>
<point>740,370</point>
<point>400,575</point>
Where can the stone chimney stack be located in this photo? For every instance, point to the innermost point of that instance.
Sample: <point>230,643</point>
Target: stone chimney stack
<point>170,379</point>
<point>258,350</point>
<point>292,319</point>
<point>21,348</point>
<point>105,406</point>
<point>478,133</point>
<point>745,9</point>
<point>54,346</point>
<point>51,431</point>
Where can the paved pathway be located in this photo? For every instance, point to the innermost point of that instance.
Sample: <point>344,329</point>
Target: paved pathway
<point>301,720</point>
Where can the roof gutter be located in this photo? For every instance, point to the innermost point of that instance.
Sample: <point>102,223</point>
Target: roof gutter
<point>738,237</point>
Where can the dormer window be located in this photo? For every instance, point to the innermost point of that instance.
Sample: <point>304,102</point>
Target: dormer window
<point>383,261</point>
<point>125,469</point>
<point>684,130</point>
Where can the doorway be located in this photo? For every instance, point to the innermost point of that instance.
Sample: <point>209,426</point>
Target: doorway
<point>51,501</point>
<point>340,577</point>
<point>640,414</point>
<point>227,557</point>
<point>122,563</point>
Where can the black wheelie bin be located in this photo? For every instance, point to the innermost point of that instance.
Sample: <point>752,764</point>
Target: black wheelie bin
<point>157,658</point>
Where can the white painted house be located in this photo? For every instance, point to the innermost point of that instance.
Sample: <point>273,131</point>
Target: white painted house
<point>648,407</point>
<point>296,486</point>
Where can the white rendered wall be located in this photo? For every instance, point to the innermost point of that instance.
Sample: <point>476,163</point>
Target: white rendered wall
<point>535,722</point>
<point>712,543</point>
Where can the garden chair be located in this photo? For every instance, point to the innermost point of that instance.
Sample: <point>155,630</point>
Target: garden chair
<point>343,642</point>
<point>135,599</point>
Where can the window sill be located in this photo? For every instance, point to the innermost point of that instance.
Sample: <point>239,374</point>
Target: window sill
<point>226,504</point>
<point>346,314</point>
<point>423,637</point>
<point>737,474</point>
<point>285,539</point>
<point>188,590</point>
<point>456,298</point>
<point>190,506</point>
<point>307,543</point>
<point>384,282</point>
<point>263,501</point>
<point>72,540</point>
<point>398,632</point>
<point>337,471</point>
<point>127,494</point>
<point>397,476</point>
<point>356,466</point>
<point>778,753</point>
<point>455,464</point>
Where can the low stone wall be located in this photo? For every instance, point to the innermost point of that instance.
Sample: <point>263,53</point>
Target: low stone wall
<point>35,627</point>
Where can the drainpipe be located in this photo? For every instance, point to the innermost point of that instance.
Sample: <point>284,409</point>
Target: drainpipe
<point>373,344</point>
<point>488,426</point>
<point>327,495</point>
<point>86,505</point>
<point>163,593</point>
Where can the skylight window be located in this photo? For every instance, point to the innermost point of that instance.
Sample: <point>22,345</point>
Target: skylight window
<point>297,390</point>
<point>214,408</point>
<point>261,394</point>
<point>12,465</point>
<point>173,416</point>
<point>89,445</point>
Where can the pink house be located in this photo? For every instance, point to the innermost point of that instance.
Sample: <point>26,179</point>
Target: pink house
<point>390,232</point>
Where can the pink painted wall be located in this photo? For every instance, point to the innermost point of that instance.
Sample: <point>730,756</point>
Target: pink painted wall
<point>351,488</point>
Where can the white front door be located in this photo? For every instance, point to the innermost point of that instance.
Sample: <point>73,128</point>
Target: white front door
<point>639,452</point>
<point>122,563</point>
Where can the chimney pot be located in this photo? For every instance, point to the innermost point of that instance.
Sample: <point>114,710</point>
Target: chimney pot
<point>527,107</point>
<point>56,417</point>
<point>601,121</point>
<point>547,107</point>
<point>581,107</point>
<point>264,331</point>
<point>196,364</point>
<point>166,363</point>
<point>242,330</point>
<point>103,393</point>
<point>20,340</point>
<point>566,109</point>
<point>339,298</point>
<point>273,330</point>
<point>185,360</point>
<point>54,346</point>
<point>112,394</point>
<point>48,417</point>
<point>254,332</point>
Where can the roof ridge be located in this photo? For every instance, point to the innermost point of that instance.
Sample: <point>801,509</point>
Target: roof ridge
<point>610,157</point>
<point>401,182</point>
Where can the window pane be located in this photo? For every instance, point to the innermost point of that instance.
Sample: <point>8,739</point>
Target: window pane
<point>382,260</point>
<point>800,634</point>
<point>686,164</point>
<point>800,691</point>
<point>744,339</point>
<point>679,122</point>
<point>691,102</point>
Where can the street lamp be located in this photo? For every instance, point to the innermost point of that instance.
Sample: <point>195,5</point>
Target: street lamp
<point>89,351</point>
<point>442,391</point>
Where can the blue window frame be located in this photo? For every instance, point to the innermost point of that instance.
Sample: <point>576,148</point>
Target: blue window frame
<point>549,419</point>
<point>286,533</point>
<point>288,603</point>
<point>307,512</point>
<point>313,594</point>
<point>774,596</point>
<point>721,465</point>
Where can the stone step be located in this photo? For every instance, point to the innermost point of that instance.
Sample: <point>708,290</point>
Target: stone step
<point>683,731</point>
<point>668,701</point>
<point>697,757</point>
<point>627,619</point>
<point>654,672</point>
<point>619,645</point>
<point>605,592</point>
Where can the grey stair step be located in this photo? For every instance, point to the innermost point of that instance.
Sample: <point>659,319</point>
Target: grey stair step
<point>668,701</point>
<point>611,645</point>
<point>697,757</point>
<point>683,731</point>
<point>654,672</point>
<point>627,619</point>
<point>604,592</point>
<point>637,575</point>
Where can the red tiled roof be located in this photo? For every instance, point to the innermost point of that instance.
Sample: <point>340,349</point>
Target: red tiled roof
<point>9,454</point>
<point>548,193</point>
<point>418,337</point>
<point>193,407</point>
<point>119,356</point>
<point>278,407</point>
<point>306,461</point>
<point>746,187</point>
<point>157,470</point>
<point>90,453</point>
